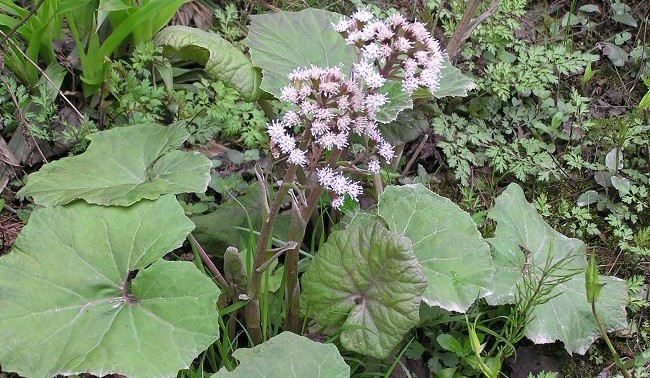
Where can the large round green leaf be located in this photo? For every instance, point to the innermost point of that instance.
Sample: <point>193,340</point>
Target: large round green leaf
<point>398,100</point>
<point>452,253</point>
<point>366,281</point>
<point>69,305</point>
<point>122,166</point>
<point>407,127</point>
<point>288,355</point>
<point>283,41</point>
<point>524,242</point>
<point>221,59</point>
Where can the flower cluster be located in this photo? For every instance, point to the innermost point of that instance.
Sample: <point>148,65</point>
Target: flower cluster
<point>328,107</point>
<point>339,184</point>
<point>393,48</point>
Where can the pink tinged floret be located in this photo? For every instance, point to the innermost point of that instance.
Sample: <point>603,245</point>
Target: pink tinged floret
<point>354,190</point>
<point>374,80</point>
<point>297,74</point>
<point>343,122</point>
<point>303,93</point>
<point>334,74</point>
<point>323,114</point>
<point>383,32</point>
<point>360,124</point>
<point>285,143</point>
<point>326,140</point>
<point>291,118</point>
<point>337,183</point>
<point>367,33</point>
<point>307,107</point>
<point>410,83</point>
<point>375,101</point>
<point>338,202</point>
<point>385,51</point>
<point>386,151</point>
<point>343,25</point>
<point>325,175</point>
<point>410,65</point>
<point>419,30</point>
<point>396,19</point>
<point>341,140</point>
<point>353,37</point>
<point>430,78</point>
<point>363,15</point>
<point>289,94</point>
<point>343,103</point>
<point>422,56</point>
<point>319,128</point>
<point>276,129</point>
<point>371,52</point>
<point>374,165</point>
<point>328,88</point>
<point>372,132</point>
<point>433,44</point>
<point>403,45</point>
<point>357,103</point>
<point>297,157</point>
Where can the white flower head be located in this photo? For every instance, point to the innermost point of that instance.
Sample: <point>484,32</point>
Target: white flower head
<point>403,44</point>
<point>338,202</point>
<point>396,19</point>
<point>297,157</point>
<point>319,128</point>
<point>285,143</point>
<point>371,52</point>
<point>386,151</point>
<point>367,71</point>
<point>343,25</point>
<point>308,107</point>
<point>410,84</point>
<point>385,51</point>
<point>375,101</point>
<point>291,118</point>
<point>337,183</point>
<point>374,165</point>
<point>353,37</point>
<point>363,15</point>
<point>383,32</point>
<point>297,74</point>
<point>276,129</point>
<point>368,32</point>
<point>289,94</point>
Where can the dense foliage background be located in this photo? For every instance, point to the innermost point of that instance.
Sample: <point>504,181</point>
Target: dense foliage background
<point>560,106</point>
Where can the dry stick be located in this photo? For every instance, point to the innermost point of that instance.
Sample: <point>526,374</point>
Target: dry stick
<point>208,263</point>
<point>457,38</point>
<point>40,70</point>
<point>417,152</point>
<point>466,26</point>
<point>20,23</point>
<point>22,118</point>
<point>252,310</point>
<point>492,9</point>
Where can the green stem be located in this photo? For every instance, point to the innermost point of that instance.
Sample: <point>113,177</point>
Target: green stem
<point>252,310</point>
<point>299,219</point>
<point>603,331</point>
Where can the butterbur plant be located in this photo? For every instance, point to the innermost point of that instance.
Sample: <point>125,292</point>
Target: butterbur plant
<point>328,107</point>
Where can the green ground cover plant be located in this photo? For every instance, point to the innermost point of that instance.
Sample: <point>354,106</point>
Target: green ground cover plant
<point>313,250</point>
